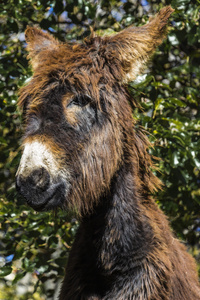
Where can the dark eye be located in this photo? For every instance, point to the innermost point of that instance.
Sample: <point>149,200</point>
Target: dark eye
<point>80,100</point>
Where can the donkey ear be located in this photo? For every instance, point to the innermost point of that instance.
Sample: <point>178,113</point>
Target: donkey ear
<point>135,45</point>
<point>38,41</point>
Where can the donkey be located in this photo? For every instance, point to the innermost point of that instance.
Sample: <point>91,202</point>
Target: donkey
<point>82,151</point>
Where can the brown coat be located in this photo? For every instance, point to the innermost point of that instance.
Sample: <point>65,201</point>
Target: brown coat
<point>83,151</point>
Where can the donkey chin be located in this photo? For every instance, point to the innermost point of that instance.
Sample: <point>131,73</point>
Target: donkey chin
<point>38,179</point>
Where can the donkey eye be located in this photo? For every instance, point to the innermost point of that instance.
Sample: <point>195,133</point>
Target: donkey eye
<point>80,100</point>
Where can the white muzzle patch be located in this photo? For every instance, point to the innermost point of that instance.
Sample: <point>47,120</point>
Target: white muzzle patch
<point>36,155</point>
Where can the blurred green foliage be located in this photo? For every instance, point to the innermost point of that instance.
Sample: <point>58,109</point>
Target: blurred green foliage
<point>170,111</point>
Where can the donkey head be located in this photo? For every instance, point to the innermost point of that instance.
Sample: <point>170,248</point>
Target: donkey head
<point>77,116</point>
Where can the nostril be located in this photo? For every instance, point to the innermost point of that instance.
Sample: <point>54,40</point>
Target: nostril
<point>37,181</point>
<point>40,178</point>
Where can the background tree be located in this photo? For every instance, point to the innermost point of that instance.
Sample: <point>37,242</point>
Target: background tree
<point>35,245</point>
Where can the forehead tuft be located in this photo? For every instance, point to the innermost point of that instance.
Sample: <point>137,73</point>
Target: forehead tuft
<point>76,68</point>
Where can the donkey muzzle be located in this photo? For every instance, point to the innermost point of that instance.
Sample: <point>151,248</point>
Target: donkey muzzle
<point>38,190</point>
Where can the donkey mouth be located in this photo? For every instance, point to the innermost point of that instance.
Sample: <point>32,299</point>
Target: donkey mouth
<point>47,200</point>
<point>54,197</point>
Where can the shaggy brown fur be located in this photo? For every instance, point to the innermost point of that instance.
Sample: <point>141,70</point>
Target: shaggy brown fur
<point>82,151</point>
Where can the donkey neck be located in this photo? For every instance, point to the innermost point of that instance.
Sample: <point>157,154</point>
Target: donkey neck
<point>118,228</point>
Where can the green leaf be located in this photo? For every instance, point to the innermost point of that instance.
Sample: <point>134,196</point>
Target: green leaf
<point>176,101</point>
<point>5,270</point>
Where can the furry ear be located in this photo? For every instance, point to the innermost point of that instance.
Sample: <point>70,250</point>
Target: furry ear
<point>135,45</point>
<point>37,42</point>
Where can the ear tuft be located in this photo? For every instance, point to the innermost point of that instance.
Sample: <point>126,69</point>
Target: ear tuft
<point>135,45</point>
<point>37,41</point>
<point>163,16</point>
<point>157,25</point>
<point>31,33</point>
